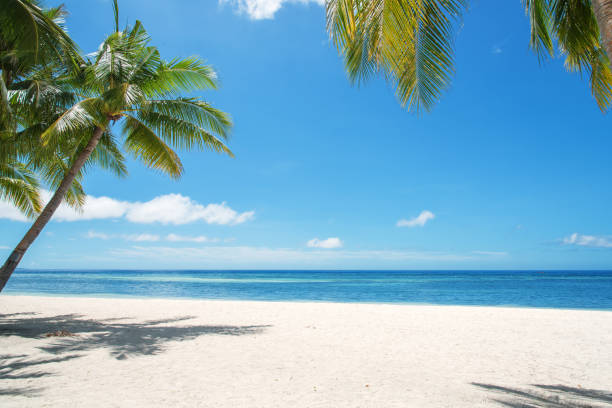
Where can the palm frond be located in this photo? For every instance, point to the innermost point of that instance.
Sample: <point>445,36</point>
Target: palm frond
<point>19,186</point>
<point>191,110</point>
<point>145,145</point>
<point>410,41</point>
<point>572,24</point>
<point>601,79</point>
<point>108,156</point>
<point>540,19</point>
<point>53,173</point>
<point>116,15</point>
<point>36,35</point>
<point>189,74</point>
<point>83,116</point>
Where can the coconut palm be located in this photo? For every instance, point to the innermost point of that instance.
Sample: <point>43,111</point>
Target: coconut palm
<point>411,42</point>
<point>36,102</point>
<point>32,41</point>
<point>19,186</point>
<point>126,85</point>
<point>30,35</point>
<point>603,14</point>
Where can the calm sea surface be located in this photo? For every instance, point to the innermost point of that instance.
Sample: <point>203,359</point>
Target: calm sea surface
<point>555,289</point>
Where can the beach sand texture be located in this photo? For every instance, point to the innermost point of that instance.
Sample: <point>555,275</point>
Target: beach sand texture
<point>196,353</point>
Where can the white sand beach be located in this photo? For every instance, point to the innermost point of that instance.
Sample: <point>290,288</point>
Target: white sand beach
<point>193,353</point>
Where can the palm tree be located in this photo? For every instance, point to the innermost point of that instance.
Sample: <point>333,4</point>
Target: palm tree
<point>411,42</point>
<point>30,36</point>
<point>19,186</point>
<point>125,82</point>
<point>36,102</point>
<point>603,14</point>
<point>32,41</point>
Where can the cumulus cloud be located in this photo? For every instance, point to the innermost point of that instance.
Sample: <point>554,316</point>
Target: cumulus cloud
<point>588,241</point>
<point>329,243</point>
<point>263,9</point>
<point>95,208</point>
<point>417,221</point>
<point>173,209</point>
<point>177,209</point>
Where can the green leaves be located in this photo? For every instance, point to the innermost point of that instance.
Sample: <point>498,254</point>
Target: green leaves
<point>573,26</point>
<point>35,54</point>
<point>128,81</point>
<point>33,36</point>
<point>601,79</point>
<point>49,112</point>
<point>540,21</point>
<point>19,186</point>
<point>116,15</point>
<point>187,122</point>
<point>78,121</point>
<point>145,145</point>
<point>409,41</point>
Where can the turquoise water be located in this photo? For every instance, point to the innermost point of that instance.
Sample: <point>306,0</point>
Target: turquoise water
<point>553,289</point>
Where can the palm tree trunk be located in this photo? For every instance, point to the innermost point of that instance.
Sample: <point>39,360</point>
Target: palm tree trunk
<point>603,14</point>
<point>46,214</point>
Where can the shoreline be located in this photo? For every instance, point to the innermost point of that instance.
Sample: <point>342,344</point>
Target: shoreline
<point>222,353</point>
<point>536,270</point>
<point>298,301</point>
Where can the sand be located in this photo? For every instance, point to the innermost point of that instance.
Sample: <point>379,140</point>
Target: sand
<point>193,353</point>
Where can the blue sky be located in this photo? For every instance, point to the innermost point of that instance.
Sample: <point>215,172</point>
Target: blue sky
<point>510,170</point>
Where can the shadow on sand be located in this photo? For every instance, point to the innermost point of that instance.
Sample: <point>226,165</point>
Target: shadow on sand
<point>548,396</point>
<point>122,339</point>
<point>19,366</point>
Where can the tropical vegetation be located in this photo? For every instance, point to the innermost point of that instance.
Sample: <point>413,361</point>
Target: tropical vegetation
<point>411,42</point>
<point>62,113</point>
<point>71,123</point>
<point>33,45</point>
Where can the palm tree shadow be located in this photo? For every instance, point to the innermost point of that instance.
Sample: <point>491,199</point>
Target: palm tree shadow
<point>19,367</point>
<point>548,396</point>
<point>122,339</point>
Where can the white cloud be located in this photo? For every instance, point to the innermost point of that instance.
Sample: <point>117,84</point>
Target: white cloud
<point>177,209</point>
<point>588,241</point>
<point>417,221</point>
<point>264,9</point>
<point>144,237</point>
<point>182,238</point>
<point>4,247</point>
<point>329,243</point>
<point>11,213</point>
<point>141,237</point>
<point>496,49</point>
<point>166,209</point>
<point>97,235</point>
<point>95,208</point>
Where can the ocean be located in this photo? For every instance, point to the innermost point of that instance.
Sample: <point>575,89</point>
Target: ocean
<point>549,289</point>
